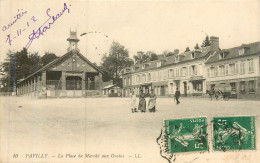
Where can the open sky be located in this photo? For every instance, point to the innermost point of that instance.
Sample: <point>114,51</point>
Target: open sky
<point>138,25</point>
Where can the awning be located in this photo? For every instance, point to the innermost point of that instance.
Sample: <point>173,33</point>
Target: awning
<point>146,84</point>
<point>194,78</point>
<point>109,86</point>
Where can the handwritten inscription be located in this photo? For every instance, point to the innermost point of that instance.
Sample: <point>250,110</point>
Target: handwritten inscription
<point>18,16</point>
<point>43,28</point>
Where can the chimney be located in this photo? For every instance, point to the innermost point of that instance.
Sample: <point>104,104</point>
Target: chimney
<point>214,43</point>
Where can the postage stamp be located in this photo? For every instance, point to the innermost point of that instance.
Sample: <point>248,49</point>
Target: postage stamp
<point>234,133</point>
<point>186,135</point>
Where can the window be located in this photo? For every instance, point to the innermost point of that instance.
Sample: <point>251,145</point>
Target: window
<point>144,78</point>
<point>184,71</point>
<point>208,72</point>
<point>242,67</point>
<point>232,69</point>
<point>165,74</point>
<point>242,87</point>
<point>236,68</point>
<point>149,77</point>
<point>221,55</point>
<point>171,73</point>
<point>171,87</point>
<point>177,72</point>
<point>159,64</point>
<point>251,66</point>
<point>251,84</point>
<point>129,81</point>
<point>221,70</point>
<point>192,55</point>
<point>193,70</point>
<point>212,72</point>
<point>159,75</point>
<point>133,79</point>
<point>226,69</point>
<point>125,81</point>
<point>216,71</point>
<point>241,51</point>
<point>155,76</point>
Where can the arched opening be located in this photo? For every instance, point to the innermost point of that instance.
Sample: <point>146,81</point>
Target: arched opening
<point>73,83</point>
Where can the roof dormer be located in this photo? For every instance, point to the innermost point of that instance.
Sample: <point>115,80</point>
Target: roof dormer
<point>159,64</point>
<point>223,54</point>
<point>243,49</point>
<point>192,55</point>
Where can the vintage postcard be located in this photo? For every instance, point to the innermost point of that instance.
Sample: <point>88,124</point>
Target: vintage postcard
<point>86,81</point>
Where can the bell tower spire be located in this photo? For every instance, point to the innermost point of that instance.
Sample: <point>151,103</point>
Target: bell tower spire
<point>73,41</point>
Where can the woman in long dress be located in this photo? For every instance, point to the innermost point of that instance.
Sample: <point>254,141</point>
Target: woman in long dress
<point>142,102</point>
<point>152,102</point>
<point>133,102</point>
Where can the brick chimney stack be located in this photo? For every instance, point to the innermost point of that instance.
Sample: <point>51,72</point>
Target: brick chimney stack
<point>214,43</point>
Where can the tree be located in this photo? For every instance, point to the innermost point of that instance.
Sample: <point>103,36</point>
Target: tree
<point>34,62</point>
<point>117,60</point>
<point>153,57</point>
<point>8,72</point>
<point>206,42</point>
<point>197,46</point>
<point>187,49</point>
<point>47,58</point>
<point>18,66</point>
<point>141,57</point>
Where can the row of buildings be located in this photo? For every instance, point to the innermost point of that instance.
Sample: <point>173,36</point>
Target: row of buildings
<point>197,71</point>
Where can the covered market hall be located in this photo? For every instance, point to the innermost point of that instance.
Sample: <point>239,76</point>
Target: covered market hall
<point>71,75</point>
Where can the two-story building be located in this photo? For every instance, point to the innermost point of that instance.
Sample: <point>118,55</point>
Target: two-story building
<point>184,71</point>
<point>239,67</point>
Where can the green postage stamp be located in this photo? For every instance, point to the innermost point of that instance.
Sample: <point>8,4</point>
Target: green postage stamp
<point>234,133</point>
<point>186,135</point>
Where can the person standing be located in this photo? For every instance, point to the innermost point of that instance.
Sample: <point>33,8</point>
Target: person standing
<point>177,95</point>
<point>142,102</point>
<point>133,102</point>
<point>152,102</point>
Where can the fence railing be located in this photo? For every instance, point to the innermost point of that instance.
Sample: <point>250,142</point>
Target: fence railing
<point>54,84</point>
<point>72,85</point>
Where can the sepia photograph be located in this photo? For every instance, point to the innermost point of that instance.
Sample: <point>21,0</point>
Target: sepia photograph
<point>89,81</point>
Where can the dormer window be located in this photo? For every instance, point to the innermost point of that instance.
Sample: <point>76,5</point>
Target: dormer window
<point>223,55</point>
<point>177,59</point>
<point>159,64</point>
<point>241,51</point>
<point>192,55</point>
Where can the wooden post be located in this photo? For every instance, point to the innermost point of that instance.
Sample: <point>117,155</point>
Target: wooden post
<point>63,80</point>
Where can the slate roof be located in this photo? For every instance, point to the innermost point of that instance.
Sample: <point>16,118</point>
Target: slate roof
<point>60,59</point>
<point>252,49</point>
<point>170,60</point>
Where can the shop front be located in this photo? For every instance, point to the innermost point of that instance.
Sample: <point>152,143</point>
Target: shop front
<point>198,87</point>
<point>240,88</point>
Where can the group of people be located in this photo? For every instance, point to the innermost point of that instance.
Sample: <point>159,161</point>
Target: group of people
<point>142,102</point>
<point>151,102</point>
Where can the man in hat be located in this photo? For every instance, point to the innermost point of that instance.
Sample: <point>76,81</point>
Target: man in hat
<point>177,95</point>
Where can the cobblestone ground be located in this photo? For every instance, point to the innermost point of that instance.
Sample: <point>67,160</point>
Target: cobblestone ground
<point>106,126</point>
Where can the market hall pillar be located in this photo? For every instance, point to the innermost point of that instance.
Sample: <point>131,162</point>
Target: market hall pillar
<point>63,80</point>
<point>83,81</point>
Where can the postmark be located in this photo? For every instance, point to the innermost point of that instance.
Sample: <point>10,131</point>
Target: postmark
<point>233,133</point>
<point>186,135</point>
